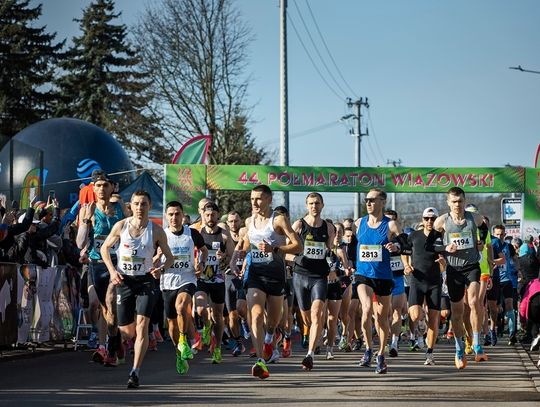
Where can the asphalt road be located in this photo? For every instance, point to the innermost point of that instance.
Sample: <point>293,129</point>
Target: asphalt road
<point>69,379</point>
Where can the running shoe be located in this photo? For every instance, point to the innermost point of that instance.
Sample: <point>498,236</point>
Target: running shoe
<point>307,363</point>
<point>133,381</point>
<point>246,333</point>
<point>181,364</point>
<point>343,342</point>
<point>287,346</point>
<point>460,360</point>
<point>366,359</point>
<point>260,370</point>
<point>185,350</point>
<point>197,343</point>
<point>381,365</point>
<point>487,340</point>
<point>535,344</point>
<point>305,341</point>
<point>216,355</point>
<point>329,353</point>
<point>158,336</point>
<point>393,353</point>
<point>238,348</point>
<point>512,339</point>
<point>252,352</point>
<point>275,356</point>
<point>317,350</point>
<point>152,344</point>
<point>413,346</point>
<point>99,355</point>
<point>268,349</point>
<point>493,336</point>
<point>110,361</point>
<point>479,355</point>
<point>421,343</point>
<point>92,342</point>
<point>357,345</point>
<point>429,360</point>
<point>206,334</point>
<point>450,334</point>
<point>468,345</point>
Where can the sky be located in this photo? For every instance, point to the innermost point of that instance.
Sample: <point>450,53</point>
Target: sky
<point>436,74</point>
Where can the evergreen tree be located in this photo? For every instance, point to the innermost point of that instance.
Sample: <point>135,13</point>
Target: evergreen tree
<point>102,83</point>
<point>27,57</point>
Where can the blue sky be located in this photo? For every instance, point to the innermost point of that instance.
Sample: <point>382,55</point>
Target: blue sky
<point>436,75</point>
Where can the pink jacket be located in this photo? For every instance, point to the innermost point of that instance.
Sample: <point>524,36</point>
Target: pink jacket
<point>532,288</point>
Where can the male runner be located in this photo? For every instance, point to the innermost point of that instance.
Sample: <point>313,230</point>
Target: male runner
<point>134,276</point>
<point>462,270</point>
<point>266,241</point>
<point>235,296</point>
<point>311,271</point>
<point>179,282</point>
<point>505,259</point>
<point>211,283</point>
<point>426,278</point>
<point>377,238</point>
<point>97,219</point>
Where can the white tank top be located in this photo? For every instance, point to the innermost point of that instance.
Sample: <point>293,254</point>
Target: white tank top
<point>135,254</point>
<point>182,271</point>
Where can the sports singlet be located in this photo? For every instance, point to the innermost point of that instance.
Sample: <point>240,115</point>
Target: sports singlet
<point>465,238</point>
<point>182,271</point>
<point>313,261</point>
<point>135,254</point>
<point>101,228</point>
<point>214,242</point>
<point>373,260</point>
<point>271,265</point>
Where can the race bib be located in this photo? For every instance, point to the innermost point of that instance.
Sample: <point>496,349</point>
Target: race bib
<point>131,265</point>
<point>370,253</point>
<point>258,256</point>
<point>396,264</point>
<point>181,262</point>
<point>98,242</point>
<point>212,258</point>
<point>314,250</point>
<point>462,240</point>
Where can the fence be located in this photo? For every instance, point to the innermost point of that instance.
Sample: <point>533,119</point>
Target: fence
<point>36,304</point>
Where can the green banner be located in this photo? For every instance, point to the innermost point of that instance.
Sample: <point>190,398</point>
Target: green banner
<point>186,184</point>
<point>352,179</point>
<point>531,203</point>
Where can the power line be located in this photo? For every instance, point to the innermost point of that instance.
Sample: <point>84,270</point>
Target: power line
<point>317,49</point>
<point>374,136</point>
<point>328,50</point>
<point>309,131</point>
<point>311,59</point>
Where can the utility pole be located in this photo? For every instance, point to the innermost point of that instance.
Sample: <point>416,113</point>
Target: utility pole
<point>284,119</point>
<point>357,133</point>
<point>395,163</point>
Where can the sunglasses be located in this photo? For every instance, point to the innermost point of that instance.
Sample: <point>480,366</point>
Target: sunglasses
<point>370,200</point>
<point>427,219</point>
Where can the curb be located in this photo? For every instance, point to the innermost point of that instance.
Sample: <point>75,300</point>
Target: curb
<point>530,365</point>
<point>33,352</point>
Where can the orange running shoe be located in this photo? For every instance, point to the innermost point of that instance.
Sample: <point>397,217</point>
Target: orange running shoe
<point>287,348</point>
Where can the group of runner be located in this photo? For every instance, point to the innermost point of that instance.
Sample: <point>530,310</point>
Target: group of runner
<point>334,280</point>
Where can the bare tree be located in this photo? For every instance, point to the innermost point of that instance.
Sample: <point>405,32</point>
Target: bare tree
<point>196,52</point>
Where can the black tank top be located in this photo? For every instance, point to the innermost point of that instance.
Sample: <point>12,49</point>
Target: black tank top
<point>213,272</point>
<point>312,262</point>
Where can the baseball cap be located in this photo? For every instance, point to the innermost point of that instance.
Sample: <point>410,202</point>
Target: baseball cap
<point>430,212</point>
<point>100,175</point>
<point>471,208</point>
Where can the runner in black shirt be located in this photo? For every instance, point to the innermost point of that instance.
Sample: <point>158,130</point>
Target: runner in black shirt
<point>426,282</point>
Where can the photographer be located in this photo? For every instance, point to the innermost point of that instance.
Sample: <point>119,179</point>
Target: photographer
<point>10,230</point>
